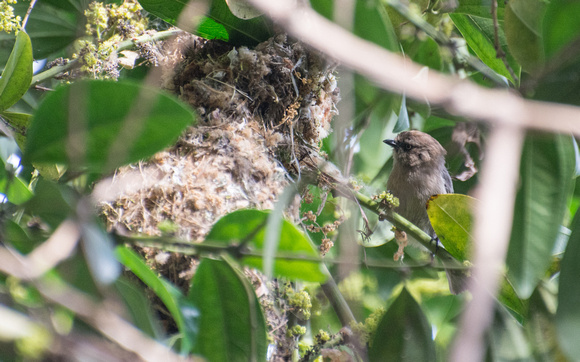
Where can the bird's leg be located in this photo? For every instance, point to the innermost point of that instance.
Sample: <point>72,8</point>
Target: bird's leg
<point>434,239</point>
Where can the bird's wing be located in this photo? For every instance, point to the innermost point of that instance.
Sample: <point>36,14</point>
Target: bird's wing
<point>448,183</point>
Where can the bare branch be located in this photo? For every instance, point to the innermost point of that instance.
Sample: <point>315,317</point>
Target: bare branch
<point>392,72</point>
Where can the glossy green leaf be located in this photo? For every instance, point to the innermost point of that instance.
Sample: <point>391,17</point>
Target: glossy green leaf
<point>323,7</point>
<point>167,293</point>
<point>424,52</point>
<point>249,226</point>
<point>17,237</point>
<point>139,307</point>
<point>98,248</point>
<point>560,25</point>
<point>479,8</point>
<point>568,313</point>
<point>509,298</point>
<point>372,23</point>
<point>103,125</point>
<point>16,124</point>
<point>231,325</point>
<point>52,29</point>
<point>522,26</point>
<point>546,170</point>
<point>451,217</point>
<point>52,202</point>
<point>52,26</point>
<point>479,34</point>
<point>403,118</point>
<point>210,29</point>
<point>17,74</point>
<point>404,334</point>
<point>540,326</point>
<point>16,190</point>
<point>507,339</point>
<point>558,86</point>
<point>561,34</point>
<point>240,31</point>
<point>168,10</point>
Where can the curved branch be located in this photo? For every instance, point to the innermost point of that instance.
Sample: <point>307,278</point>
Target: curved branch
<point>392,72</point>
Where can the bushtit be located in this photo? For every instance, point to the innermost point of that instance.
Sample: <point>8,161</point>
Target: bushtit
<point>418,173</point>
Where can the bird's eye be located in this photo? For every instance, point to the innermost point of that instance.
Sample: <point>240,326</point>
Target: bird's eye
<point>408,146</point>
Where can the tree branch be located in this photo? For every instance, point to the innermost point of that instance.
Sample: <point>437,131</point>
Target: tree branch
<point>392,72</point>
<point>127,44</point>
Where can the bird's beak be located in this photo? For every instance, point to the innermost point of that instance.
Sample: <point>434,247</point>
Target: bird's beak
<point>391,143</point>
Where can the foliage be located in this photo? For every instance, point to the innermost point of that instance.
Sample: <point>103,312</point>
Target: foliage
<point>61,268</point>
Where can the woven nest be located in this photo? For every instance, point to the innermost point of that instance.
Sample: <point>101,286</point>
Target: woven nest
<point>262,114</point>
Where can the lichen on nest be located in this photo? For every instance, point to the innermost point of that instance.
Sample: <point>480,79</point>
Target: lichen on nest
<point>260,113</point>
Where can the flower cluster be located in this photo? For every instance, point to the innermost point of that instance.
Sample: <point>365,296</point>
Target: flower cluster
<point>387,199</point>
<point>8,22</point>
<point>107,26</point>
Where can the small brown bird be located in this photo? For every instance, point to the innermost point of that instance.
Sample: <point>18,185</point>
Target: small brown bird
<point>418,173</point>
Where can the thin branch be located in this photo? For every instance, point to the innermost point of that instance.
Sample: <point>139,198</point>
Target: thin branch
<point>125,45</point>
<point>108,323</point>
<point>445,41</point>
<point>493,223</point>
<point>25,20</point>
<point>214,248</point>
<point>459,97</point>
<point>498,50</point>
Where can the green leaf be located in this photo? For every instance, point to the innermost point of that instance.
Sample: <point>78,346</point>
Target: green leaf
<point>16,190</point>
<point>52,26</point>
<point>98,249</point>
<point>403,334</point>
<point>560,25</point>
<point>479,34</point>
<point>323,7</point>
<point>52,29</point>
<point>103,125</point>
<point>139,307</point>
<point>568,313</point>
<point>372,23</point>
<point>250,224</point>
<point>403,118</point>
<point>479,8</point>
<point>16,124</point>
<point>522,26</point>
<point>507,339</point>
<point>424,52</point>
<point>509,298</point>
<point>167,293</point>
<point>546,170</point>
<point>17,74</point>
<point>561,35</point>
<point>231,325</point>
<point>540,327</point>
<point>52,202</point>
<point>168,10</point>
<point>240,31</point>
<point>451,217</point>
<point>17,237</point>
<point>210,29</point>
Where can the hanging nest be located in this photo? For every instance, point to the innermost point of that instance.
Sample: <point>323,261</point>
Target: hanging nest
<point>262,114</point>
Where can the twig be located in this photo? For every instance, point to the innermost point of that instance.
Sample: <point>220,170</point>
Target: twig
<point>493,223</point>
<point>391,72</point>
<point>127,44</point>
<point>25,20</point>
<point>499,51</point>
<point>444,41</point>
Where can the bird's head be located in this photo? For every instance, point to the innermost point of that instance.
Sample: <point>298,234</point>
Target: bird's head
<point>416,148</point>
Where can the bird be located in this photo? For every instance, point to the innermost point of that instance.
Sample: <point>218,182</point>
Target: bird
<point>418,173</point>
